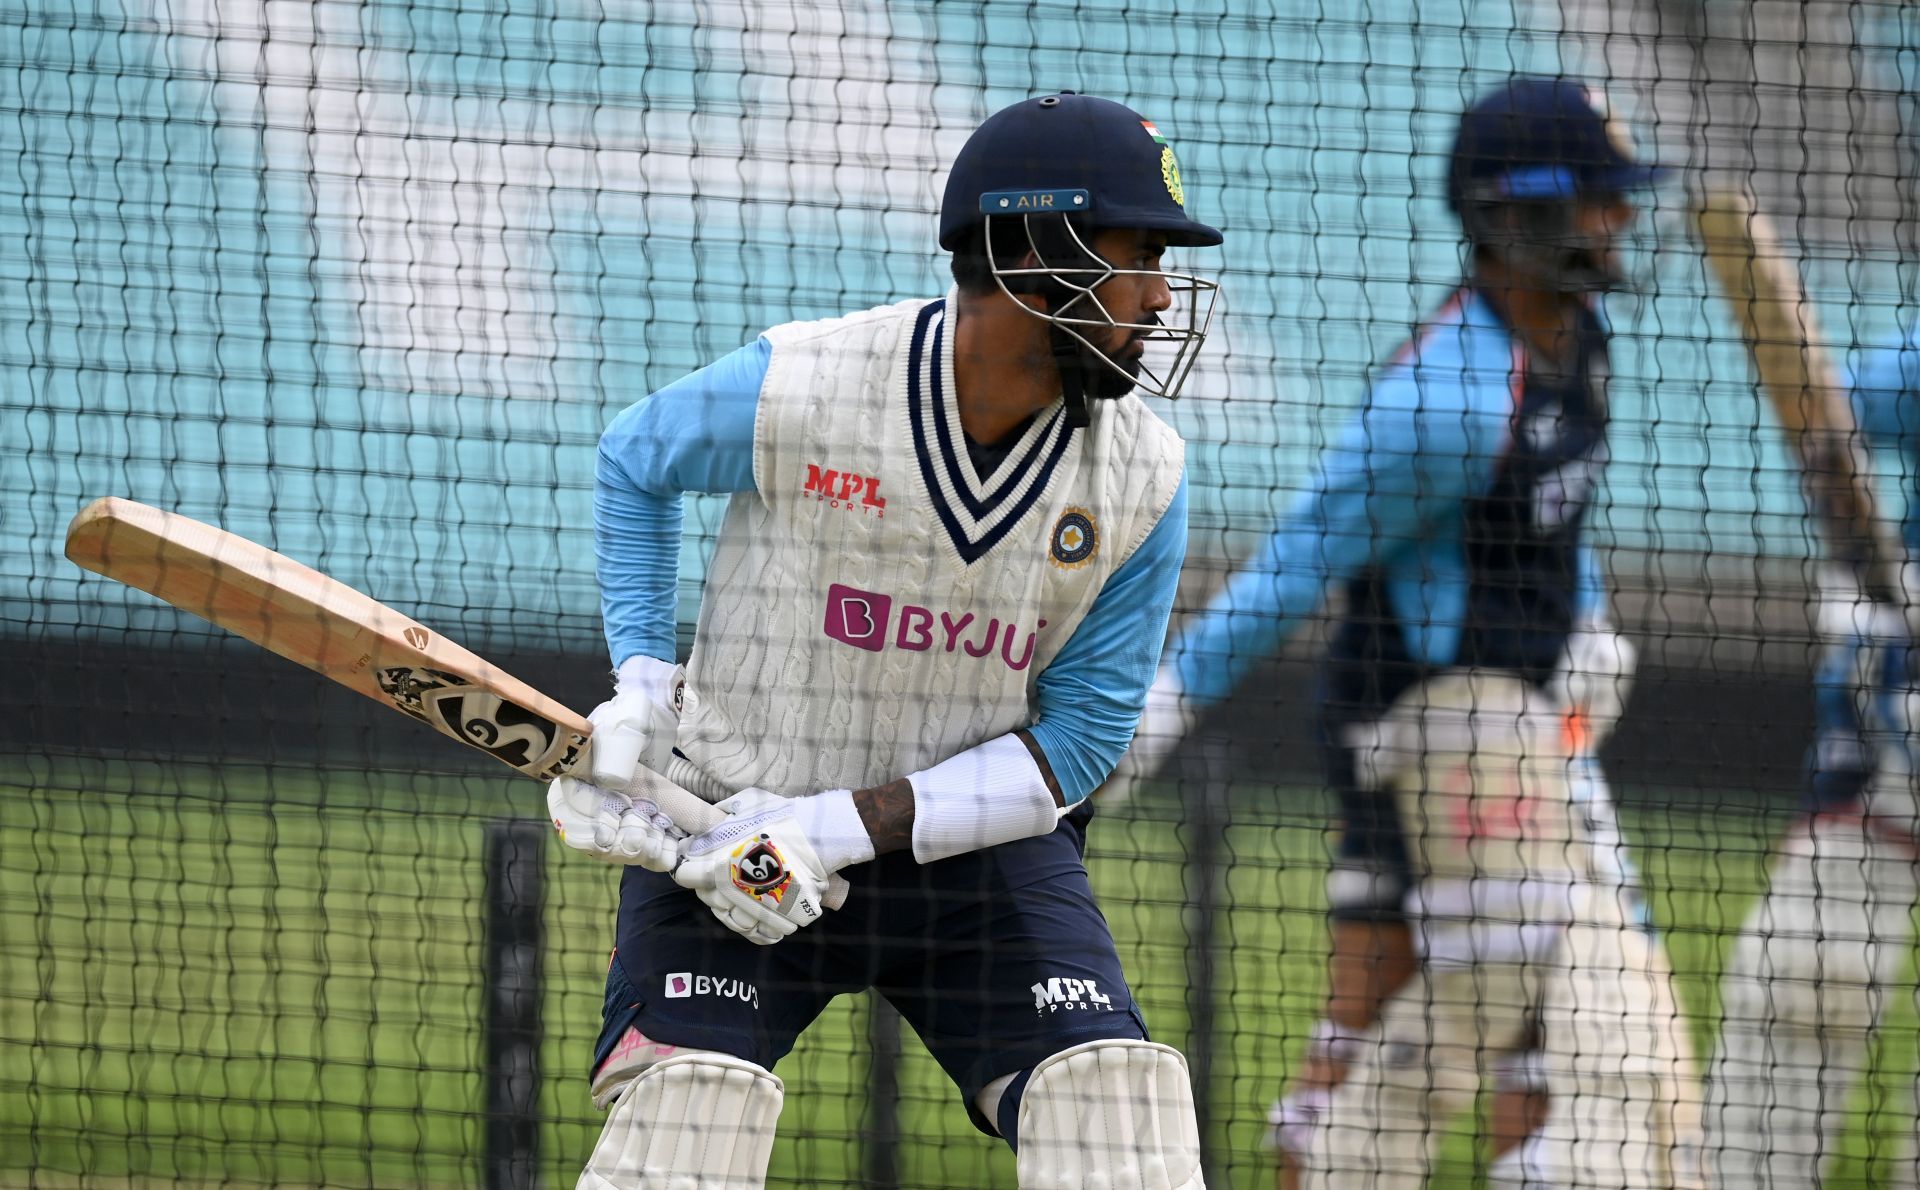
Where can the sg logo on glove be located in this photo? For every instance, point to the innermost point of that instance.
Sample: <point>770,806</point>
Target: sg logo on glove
<point>760,871</point>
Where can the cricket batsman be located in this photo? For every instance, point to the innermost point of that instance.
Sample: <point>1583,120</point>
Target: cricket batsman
<point>1479,896</point>
<point>1824,953</point>
<point>925,636</point>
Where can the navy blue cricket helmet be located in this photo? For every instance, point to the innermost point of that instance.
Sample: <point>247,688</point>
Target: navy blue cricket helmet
<point>1115,162</point>
<point>1541,138</point>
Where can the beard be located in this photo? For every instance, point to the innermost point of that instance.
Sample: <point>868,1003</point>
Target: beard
<point>1100,380</point>
<point>1105,376</point>
<point>1538,245</point>
<point>1575,269</point>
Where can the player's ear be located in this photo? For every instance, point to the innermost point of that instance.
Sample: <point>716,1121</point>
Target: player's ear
<point>1031,294</point>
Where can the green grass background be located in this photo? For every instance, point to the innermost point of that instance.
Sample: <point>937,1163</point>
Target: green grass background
<point>271,976</point>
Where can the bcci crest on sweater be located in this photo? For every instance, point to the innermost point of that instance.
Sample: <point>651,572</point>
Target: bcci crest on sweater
<point>1074,541</point>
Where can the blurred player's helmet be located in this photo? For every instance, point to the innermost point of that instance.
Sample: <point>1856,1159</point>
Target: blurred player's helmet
<point>1523,154</point>
<point>1039,178</point>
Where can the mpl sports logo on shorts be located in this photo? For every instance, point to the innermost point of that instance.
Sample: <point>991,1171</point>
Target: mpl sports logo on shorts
<point>684,985</point>
<point>865,620</point>
<point>1070,995</point>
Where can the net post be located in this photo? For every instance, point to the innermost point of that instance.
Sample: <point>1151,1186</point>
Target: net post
<point>880,1130</point>
<point>515,894</point>
<point>1203,773</point>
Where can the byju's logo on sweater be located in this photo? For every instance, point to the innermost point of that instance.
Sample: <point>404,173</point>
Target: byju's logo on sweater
<point>865,620</point>
<point>858,617</point>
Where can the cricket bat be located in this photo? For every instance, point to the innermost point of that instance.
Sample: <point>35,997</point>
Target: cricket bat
<point>339,633</point>
<point>1798,377</point>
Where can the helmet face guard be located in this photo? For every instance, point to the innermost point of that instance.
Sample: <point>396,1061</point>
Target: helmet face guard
<point>1538,240</point>
<point>1077,311</point>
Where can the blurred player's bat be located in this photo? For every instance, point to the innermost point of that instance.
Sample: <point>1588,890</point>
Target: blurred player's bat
<point>339,633</point>
<point>1800,381</point>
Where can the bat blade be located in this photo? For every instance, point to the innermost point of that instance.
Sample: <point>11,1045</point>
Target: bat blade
<point>1800,381</point>
<point>304,616</point>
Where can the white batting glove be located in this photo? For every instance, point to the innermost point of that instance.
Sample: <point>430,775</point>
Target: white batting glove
<point>1595,676</point>
<point>614,828</point>
<point>765,871</point>
<point>636,728</point>
<point>1846,616</point>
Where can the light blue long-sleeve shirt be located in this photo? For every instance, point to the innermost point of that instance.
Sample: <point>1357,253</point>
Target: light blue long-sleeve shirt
<point>696,435</point>
<point>1885,383</point>
<point>1390,494</point>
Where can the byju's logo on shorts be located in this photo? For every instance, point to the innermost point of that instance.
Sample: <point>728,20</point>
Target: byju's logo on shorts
<point>682,985</point>
<point>864,619</point>
<point>1070,995</point>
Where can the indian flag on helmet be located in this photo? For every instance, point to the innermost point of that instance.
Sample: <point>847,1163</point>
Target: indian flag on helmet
<point>1169,168</point>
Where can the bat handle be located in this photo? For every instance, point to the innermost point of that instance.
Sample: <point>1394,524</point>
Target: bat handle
<point>696,815</point>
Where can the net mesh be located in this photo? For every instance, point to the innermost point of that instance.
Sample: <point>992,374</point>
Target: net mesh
<point>365,281</point>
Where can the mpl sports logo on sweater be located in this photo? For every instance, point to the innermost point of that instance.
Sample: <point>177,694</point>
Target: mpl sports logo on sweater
<point>839,489</point>
<point>866,620</point>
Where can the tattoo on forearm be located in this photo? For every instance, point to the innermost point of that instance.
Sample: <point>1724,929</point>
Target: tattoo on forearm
<point>1046,770</point>
<point>887,813</point>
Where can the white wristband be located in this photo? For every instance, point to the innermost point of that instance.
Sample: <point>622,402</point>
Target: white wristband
<point>990,794</point>
<point>832,824</point>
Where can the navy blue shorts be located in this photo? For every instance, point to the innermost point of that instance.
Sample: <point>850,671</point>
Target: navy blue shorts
<point>1366,670</point>
<point>1372,869</point>
<point>997,959</point>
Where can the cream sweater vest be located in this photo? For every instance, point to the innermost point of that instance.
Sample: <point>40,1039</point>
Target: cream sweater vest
<point>874,607</point>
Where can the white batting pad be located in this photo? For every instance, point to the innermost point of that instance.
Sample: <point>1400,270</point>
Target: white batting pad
<point>1110,1113</point>
<point>1481,765</point>
<point>1421,1065</point>
<point>1624,1088</point>
<point>1807,983</point>
<point>697,1121</point>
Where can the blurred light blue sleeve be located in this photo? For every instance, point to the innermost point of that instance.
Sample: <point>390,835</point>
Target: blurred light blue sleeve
<point>1885,381</point>
<point>694,435</point>
<point>1091,697</point>
<point>1885,385</point>
<point>1414,452</point>
<point>1590,597</point>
